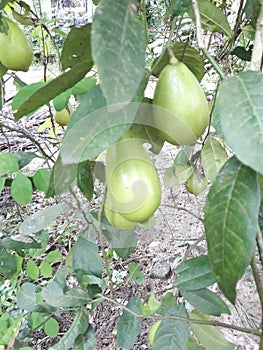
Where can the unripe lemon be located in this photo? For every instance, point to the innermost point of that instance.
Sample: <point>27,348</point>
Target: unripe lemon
<point>196,183</point>
<point>181,112</point>
<point>15,50</point>
<point>62,117</point>
<point>133,186</point>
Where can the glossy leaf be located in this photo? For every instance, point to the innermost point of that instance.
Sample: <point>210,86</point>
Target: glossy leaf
<point>8,264</point>
<point>178,7</point>
<point>243,130</point>
<point>185,53</point>
<point>26,297</point>
<point>78,327</point>
<point>8,163</point>
<point>38,221</point>
<point>172,334</point>
<point>24,158</point>
<point>77,48</point>
<point>51,328</point>
<point>212,18</point>
<point>177,175</point>
<point>85,179</point>
<point>58,294</point>
<point>213,157</point>
<point>194,273</point>
<point>118,43</point>
<point>206,301</point>
<point>32,270</point>
<point>129,326</point>
<point>41,179</point>
<point>209,336</point>
<point>21,189</point>
<point>231,219</point>
<point>51,89</point>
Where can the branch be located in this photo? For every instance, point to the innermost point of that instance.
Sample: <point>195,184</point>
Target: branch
<point>204,322</point>
<point>200,40</point>
<point>256,59</point>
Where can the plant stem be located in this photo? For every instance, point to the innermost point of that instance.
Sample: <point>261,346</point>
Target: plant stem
<point>200,41</point>
<point>182,208</point>
<point>31,138</point>
<point>101,239</point>
<point>256,59</point>
<point>259,286</point>
<point>203,322</point>
<point>260,245</point>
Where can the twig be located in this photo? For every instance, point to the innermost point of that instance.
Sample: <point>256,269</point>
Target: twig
<point>101,239</point>
<point>200,41</point>
<point>31,138</point>
<point>183,208</point>
<point>260,245</point>
<point>259,287</point>
<point>256,59</point>
<point>188,320</point>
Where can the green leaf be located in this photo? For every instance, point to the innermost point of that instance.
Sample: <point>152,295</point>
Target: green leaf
<point>3,71</point>
<point>209,336</point>
<point>36,320</point>
<point>122,241</point>
<point>85,179</point>
<point>19,242</point>
<point>177,175</point>
<point>78,327</point>
<point>26,297</point>
<point>213,157</point>
<point>242,53</point>
<point>85,341</point>
<point>41,179</point>
<point>194,273</point>
<point>77,48</point>
<point>54,256</point>
<point>119,53</point>
<point>24,158</point>
<point>152,305</point>
<point>38,221</point>
<point>83,86</point>
<point>193,345</point>
<point>58,294</point>
<point>51,328</point>
<point>135,273</point>
<point>45,269</point>
<point>212,18</point>
<point>172,334</point>
<point>206,301</point>
<point>8,264</point>
<point>51,89</point>
<point>61,178</point>
<point>86,258</point>
<point>178,7</point>
<point>24,93</point>
<point>231,219</point>
<point>243,131</point>
<point>185,53</point>
<point>9,327</point>
<point>32,270</point>
<point>8,163</point>
<point>129,326</point>
<point>94,130</point>
<point>21,189</point>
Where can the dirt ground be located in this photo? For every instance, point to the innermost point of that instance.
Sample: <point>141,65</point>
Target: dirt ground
<point>160,250</point>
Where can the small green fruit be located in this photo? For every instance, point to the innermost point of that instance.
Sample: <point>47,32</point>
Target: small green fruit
<point>62,117</point>
<point>196,183</point>
<point>133,186</point>
<point>15,50</point>
<point>152,331</point>
<point>181,112</point>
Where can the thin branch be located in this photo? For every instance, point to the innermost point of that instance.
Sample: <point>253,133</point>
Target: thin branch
<point>259,287</point>
<point>184,209</point>
<point>200,40</point>
<point>204,322</point>
<point>256,59</point>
